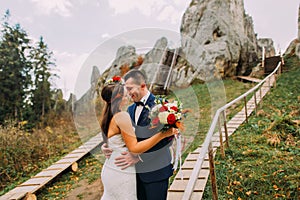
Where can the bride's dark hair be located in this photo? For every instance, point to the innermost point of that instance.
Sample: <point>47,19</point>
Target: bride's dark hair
<point>112,94</point>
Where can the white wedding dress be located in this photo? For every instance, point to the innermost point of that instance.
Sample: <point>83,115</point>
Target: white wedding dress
<point>118,184</point>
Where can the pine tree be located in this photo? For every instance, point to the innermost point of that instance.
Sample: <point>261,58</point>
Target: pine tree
<point>15,79</point>
<point>43,66</point>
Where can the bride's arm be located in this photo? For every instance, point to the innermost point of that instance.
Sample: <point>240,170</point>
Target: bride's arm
<point>123,121</point>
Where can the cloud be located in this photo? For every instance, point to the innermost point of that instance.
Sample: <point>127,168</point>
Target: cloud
<point>105,36</point>
<point>145,7</point>
<point>169,13</point>
<point>69,65</point>
<point>162,10</point>
<point>47,7</point>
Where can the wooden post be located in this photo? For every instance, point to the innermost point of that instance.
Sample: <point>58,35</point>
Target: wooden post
<point>226,131</point>
<point>245,100</point>
<point>261,100</point>
<point>212,172</point>
<point>74,167</point>
<point>255,103</point>
<point>30,196</point>
<point>263,58</point>
<point>221,138</point>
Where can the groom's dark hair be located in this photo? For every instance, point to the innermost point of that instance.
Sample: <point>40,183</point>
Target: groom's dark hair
<point>138,76</point>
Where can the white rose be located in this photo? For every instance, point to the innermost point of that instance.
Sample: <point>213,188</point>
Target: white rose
<point>163,117</point>
<point>156,108</point>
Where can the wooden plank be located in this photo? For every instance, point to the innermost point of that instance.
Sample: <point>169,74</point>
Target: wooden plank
<point>68,160</point>
<point>178,195</point>
<point>59,166</point>
<point>48,173</point>
<point>191,164</point>
<point>233,126</point>
<point>197,151</point>
<point>249,78</point>
<point>194,156</point>
<point>185,174</point>
<point>19,192</point>
<point>36,181</point>
<point>180,185</point>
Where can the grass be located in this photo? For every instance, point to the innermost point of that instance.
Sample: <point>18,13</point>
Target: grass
<point>197,125</point>
<point>263,159</point>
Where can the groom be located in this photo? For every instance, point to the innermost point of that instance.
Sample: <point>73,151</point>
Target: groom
<point>153,167</point>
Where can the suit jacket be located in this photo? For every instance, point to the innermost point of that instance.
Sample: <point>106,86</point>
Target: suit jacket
<point>156,165</point>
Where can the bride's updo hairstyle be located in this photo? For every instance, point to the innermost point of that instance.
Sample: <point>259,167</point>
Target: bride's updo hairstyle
<point>112,93</point>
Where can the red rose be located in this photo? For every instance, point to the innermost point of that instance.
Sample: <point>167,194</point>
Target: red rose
<point>116,79</point>
<point>171,119</point>
<point>155,121</point>
<point>163,109</point>
<point>174,108</point>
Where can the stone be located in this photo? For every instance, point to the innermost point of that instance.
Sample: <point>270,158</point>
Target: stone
<point>218,38</point>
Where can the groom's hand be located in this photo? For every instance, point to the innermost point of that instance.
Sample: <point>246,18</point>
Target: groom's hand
<point>126,160</point>
<point>106,150</point>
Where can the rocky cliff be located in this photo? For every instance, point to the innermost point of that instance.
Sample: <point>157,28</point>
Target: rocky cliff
<point>218,38</point>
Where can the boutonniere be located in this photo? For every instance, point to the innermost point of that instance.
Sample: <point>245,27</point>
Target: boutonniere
<point>147,107</point>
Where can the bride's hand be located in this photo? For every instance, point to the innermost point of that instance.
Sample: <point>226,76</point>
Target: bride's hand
<point>126,160</point>
<point>171,132</point>
<point>106,150</point>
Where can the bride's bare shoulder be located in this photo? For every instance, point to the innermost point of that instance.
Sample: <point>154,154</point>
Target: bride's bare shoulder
<point>122,116</point>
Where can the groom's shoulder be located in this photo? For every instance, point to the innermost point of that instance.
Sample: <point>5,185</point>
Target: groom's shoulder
<point>152,97</point>
<point>130,107</point>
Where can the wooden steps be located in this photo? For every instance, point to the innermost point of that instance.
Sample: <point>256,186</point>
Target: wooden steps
<point>178,186</point>
<point>45,176</point>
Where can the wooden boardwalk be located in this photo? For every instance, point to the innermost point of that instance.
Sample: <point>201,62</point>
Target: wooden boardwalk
<point>45,176</point>
<point>177,188</point>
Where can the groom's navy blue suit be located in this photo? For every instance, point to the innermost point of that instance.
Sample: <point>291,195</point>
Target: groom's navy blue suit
<point>154,172</point>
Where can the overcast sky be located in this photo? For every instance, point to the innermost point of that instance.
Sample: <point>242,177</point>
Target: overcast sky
<point>75,28</point>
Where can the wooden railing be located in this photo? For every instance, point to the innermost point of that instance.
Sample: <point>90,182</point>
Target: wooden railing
<point>216,124</point>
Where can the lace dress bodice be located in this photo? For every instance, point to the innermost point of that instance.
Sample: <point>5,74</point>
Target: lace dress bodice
<point>117,144</point>
<point>118,184</point>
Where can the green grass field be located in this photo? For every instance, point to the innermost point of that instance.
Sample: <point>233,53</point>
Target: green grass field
<point>263,159</point>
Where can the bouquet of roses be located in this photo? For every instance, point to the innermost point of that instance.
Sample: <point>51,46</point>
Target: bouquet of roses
<point>166,113</point>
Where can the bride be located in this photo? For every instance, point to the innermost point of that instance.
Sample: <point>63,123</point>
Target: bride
<point>117,128</point>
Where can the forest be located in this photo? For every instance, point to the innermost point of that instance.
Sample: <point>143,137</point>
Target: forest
<point>27,78</point>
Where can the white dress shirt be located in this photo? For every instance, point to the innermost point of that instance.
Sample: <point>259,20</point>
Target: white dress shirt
<point>139,108</point>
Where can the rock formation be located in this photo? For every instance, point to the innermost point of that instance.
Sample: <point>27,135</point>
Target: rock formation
<point>218,38</point>
<point>268,44</point>
<point>294,46</point>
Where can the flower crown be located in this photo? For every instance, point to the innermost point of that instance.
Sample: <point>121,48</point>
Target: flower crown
<point>114,79</point>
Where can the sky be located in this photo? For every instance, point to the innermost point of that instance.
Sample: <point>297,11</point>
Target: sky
<point>73,29</point>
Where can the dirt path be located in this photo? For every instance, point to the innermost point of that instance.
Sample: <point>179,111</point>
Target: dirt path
<point>86,191</point>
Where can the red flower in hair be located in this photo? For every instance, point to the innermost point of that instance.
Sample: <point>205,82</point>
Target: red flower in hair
<point>116,79</point>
